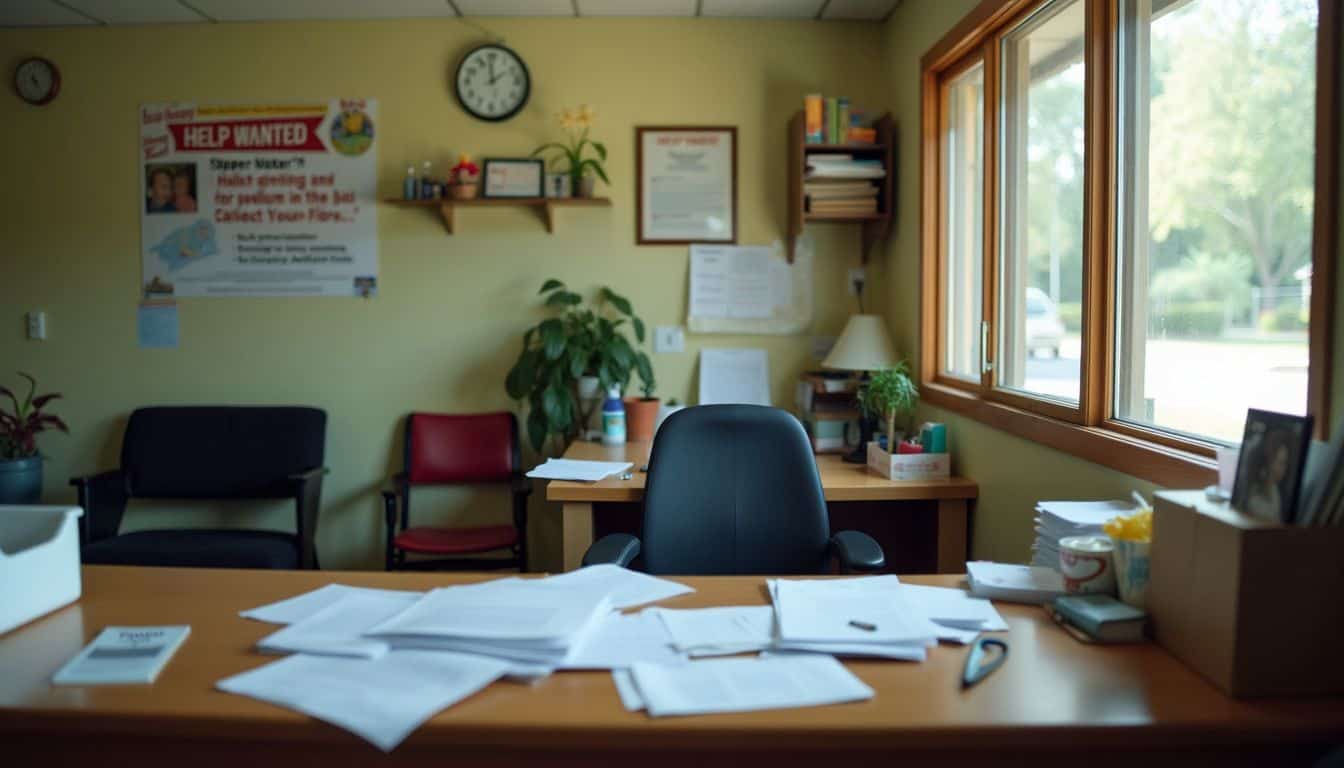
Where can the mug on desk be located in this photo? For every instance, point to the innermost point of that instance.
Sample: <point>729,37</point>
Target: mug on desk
<point>1087,564</point>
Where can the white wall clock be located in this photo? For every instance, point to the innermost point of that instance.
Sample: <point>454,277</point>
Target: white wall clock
<point>37,81</point>
<point>492,83</point>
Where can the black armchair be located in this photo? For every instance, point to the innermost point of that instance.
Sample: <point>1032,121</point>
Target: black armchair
<point>209,452</point>
<point>733,489</point>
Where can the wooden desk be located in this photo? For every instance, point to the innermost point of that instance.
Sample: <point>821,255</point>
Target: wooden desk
<point>839,482</point>
<point>1053,699</point>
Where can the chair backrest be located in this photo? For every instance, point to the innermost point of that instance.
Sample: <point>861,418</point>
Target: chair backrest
<point>220,452</point>
<point>443,448</point>
<point>733,489</point>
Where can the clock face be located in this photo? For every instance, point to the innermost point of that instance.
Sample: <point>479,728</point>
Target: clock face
<point>493,83</point>
<point>37,81</point>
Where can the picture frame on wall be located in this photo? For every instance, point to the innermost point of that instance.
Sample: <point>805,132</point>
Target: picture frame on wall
<point>686,185</point>
<point>513,178</point>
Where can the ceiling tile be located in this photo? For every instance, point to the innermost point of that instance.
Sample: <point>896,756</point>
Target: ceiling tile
<point>137,11</point>
<point>868,10</point>
<point>257,10</point>
<point>515,7</point>
<point>38,13</point>
<point>636,7</point>
<point>778,9</point>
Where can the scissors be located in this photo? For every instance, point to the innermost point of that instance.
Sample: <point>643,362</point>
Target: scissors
<point>977,668</point>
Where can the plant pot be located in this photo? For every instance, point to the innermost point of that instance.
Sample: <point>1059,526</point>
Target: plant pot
<point>21,481</point>
<point>586,186</point>
<point>465,190</point>
<point>641,414</point>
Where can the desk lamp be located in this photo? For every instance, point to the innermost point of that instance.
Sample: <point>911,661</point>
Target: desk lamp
<point>863,347</point>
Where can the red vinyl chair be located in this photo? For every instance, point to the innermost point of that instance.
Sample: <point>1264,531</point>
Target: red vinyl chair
<point>458,449</point>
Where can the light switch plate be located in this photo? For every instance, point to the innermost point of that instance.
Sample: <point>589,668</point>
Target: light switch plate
<point>37,326</point>
<point>669,338</point>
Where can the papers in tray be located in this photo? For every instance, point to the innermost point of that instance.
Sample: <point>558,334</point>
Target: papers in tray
<point>1014,583</point>
<point>739,685</point>
<point>573,469</point>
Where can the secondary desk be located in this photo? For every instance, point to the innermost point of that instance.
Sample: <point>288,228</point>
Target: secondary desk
<point>839,482</point>
<point>1054,701</point>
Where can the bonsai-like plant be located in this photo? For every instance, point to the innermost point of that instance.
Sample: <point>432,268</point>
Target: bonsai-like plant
<point>577,124</point>
<point>578,341</point>
<point>888,394</point>
<point>20,427</point>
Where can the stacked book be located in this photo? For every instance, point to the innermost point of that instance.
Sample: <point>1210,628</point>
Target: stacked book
<point>825,402</point>
<point>840,184</point>
<point>1056,520</point>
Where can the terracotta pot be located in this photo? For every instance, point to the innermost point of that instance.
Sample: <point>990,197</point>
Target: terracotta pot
<point>641,414</point>
<point>465,191</point>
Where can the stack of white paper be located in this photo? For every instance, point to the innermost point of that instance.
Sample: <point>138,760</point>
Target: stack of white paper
<point>852,617</point>
<point>573,469</point>
<point>719,631</point>
<point>338,629</point>
<point>300,607</point>
<point>1056,520</point>
<point>739,685</point>
<point>959,616</point>
<point>622,640</point>
<point>1014,583</point>
<point>627,588</point>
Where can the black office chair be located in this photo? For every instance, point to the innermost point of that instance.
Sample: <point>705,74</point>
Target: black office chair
<point>733,489</point>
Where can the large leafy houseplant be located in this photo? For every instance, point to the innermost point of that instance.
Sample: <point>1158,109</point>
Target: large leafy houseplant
<point>576,125</point>
<point>23,421</point>
<point>888,394</point>
<point>576,341</point>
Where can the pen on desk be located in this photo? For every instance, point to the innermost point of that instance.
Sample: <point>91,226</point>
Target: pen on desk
<point>865,626</point>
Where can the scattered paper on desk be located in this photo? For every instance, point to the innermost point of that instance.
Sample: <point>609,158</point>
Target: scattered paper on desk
<point>1014,583</point>
<point>866,616</point>
<point>625,688</point>
<point>302,606</point>
<point>719,631</point>
<point>573,469</point>
<point>627,588</point>
<point>745,685</point>
<point>337,629</point>
<point>734,376</point>
<point>123,655</point>
<point>623,639</point>
<point>380,700</point>
<point>733,282</point>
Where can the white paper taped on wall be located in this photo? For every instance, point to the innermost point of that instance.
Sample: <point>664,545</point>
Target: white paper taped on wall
<point>734,376</point>
<point>749,289</point>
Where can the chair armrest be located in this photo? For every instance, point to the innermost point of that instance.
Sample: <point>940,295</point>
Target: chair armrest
<point>309,474</point>
<point>307,506</point>
<point>614,548</point>
<point>103,497</point>
<point>857,552</point>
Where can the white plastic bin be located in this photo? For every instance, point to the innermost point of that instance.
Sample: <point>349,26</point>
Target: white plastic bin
<point>39,562</point>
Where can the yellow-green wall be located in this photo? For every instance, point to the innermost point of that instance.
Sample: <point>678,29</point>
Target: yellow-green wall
<point>445,326</point>
<point>1013,473</point>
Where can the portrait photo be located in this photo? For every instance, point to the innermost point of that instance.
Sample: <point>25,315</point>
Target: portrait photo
<point>1269,470</point>
<point>170,188</point>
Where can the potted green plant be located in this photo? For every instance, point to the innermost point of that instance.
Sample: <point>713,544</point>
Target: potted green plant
<point>576,124</point>
<point>20,463</point>
<point>888,394</point>
<point>576,341</point>
<point>641,413</point>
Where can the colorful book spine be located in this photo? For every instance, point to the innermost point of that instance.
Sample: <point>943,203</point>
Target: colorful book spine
<point>812,116</point>
<point>842,120</point>
<point>832,120</point>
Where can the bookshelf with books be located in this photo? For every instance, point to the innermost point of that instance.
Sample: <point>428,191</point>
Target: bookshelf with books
<point>837,175</point>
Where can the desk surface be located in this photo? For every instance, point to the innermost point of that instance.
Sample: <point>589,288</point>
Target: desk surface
<point>839,481</point>
<point>1052,693</point>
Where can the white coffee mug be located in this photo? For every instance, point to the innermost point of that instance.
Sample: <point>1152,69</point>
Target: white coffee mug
<point>1087,564</point>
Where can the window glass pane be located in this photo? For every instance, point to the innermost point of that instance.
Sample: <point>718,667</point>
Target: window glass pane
<point>1217,145</point>
<point>1041,245</point>
<point>963,150</point>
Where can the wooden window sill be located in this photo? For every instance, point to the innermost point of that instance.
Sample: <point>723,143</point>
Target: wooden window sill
<point>1157,463</point>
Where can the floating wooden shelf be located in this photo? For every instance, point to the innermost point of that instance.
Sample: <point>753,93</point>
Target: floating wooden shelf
<point>875,226</point>
<point>447,207</point>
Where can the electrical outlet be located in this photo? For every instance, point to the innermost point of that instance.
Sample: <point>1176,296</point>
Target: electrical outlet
<point>669,338</point>
<point>37,325</point>
<point>858,276</point>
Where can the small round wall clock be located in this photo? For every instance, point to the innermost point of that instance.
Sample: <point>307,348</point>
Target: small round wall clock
<point>492,83</point>
<point>37,81</point>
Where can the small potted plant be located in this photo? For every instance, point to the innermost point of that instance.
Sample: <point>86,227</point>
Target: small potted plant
<point>641,413</point>
<point>888,394</point>
<point>20,463</point>
<point>466,177</point>
<point>576,124</point>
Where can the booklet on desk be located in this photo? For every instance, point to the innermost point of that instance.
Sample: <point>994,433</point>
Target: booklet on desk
<point>120,655</point>
<point>1014,583</point>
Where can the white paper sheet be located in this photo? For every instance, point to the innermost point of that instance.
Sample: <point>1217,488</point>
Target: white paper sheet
<point>627,588</point>
<point>733,282</point>
<point>625,688</point>
<point>734,376</point>
<point>574,469</point>
<point>744,685</point>
<point>380,700</point>
<point>719,631</point>
<point>337,629</point>
<point>526,611</point>
<point>954,607</point>
<point>859,611</point>
<point>622,639</point>
<point>302,606</point>
<point>1014,583</point>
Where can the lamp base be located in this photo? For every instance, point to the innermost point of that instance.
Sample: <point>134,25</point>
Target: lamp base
<point>860,453</point>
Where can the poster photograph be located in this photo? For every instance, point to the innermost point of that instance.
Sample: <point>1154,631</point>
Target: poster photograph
<point>266,200</point>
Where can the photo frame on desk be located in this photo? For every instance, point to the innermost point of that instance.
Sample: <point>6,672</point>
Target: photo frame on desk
<point>1269,470</point>
<point>686,185</point>
<point>512,178</point>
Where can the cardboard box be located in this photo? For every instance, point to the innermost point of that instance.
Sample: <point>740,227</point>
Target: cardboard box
<point>912,466</point>
<point>1255,607</point>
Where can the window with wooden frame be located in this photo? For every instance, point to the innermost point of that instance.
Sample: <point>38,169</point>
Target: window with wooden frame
<point>1128,222</point>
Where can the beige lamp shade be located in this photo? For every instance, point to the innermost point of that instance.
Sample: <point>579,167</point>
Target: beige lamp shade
<point>863,346</point>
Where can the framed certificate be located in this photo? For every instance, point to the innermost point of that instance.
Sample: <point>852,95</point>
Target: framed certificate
<point>687,185</point>
<point>513,178</point>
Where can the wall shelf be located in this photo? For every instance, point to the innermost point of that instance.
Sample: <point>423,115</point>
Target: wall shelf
<point>874,226</point>
<point>447,207</point>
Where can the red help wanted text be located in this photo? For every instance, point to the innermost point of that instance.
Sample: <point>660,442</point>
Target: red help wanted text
<point>286,134</point>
